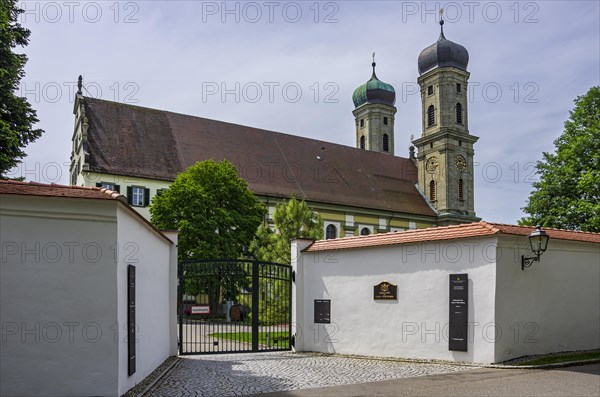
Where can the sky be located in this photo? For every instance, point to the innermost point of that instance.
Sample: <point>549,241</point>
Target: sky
<point>292,67</point>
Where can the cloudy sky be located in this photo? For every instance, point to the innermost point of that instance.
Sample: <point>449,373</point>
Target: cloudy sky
<point>292,67</point>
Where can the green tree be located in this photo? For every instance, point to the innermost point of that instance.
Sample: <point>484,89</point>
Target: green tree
<point>567,195</point>
<point>213,210</point>
<point>216,216</point>
<point>16,114</point>
<point>293,219</point>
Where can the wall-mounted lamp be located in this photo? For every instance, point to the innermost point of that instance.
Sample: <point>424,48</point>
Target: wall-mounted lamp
<point>538,239</point>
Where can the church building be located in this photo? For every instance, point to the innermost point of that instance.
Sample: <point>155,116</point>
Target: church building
<point>359,190</point>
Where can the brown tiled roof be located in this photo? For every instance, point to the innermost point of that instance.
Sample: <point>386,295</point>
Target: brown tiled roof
<point>136,141</point>
<point>476,229</point>
<point>56,190</point>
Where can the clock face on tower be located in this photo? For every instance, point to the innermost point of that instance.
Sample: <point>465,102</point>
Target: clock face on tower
<point>432,164</point>
<point>461,163</point>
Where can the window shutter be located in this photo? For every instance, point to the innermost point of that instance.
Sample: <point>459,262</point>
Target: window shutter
<point>146,197</point>
<point>98,184</point>
<point>129,194</point>
<point>118,188</point>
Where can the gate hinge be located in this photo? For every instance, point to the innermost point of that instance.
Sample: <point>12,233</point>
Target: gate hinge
<point>293,341</point>
<point>294,276</point>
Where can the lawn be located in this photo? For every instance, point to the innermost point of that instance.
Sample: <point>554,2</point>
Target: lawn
<point>282,337</point>
<point>562,358</point>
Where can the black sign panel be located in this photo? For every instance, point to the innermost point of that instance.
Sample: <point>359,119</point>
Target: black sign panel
<point>385,291</point>
<point>322,311</point>
<point>459,308</point>
<point>131,319</point>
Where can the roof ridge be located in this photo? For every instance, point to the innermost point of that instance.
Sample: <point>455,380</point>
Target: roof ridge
<point>490,226</point>
<point>543,227</point>
<point>242,125</point>
<point>111,193</point>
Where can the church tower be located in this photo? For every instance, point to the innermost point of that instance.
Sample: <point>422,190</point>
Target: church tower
<point>374,115</point>
<point>445,148</point>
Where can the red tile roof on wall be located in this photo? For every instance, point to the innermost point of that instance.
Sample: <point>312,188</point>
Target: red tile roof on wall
<point>476,229</point>
<point>77,192</point>
<point>56,190</point>
<point>135,141</point>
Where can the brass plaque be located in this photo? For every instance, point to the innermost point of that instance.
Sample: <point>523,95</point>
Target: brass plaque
<point>385,291</point>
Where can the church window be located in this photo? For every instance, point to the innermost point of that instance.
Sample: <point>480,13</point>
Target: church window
<point>386,143</point>
<point>365,231</point>
<point>385,121</point>
<point>109,186</point>
<point>362,142</point>
<point>138,196</point>
<point>461,194</point>
<point>430,90</point>
<point>362,123</point>
<point>430,116</point>
<point>432,190</point>
<point>458,113</point>
<point>458,88</point>
<point>330,232</point>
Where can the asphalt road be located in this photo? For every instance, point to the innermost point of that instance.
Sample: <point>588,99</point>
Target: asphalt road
<point>572,381</point>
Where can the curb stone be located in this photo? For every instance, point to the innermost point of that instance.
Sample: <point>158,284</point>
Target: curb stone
<point>545,366</point>
<point>161,376</point>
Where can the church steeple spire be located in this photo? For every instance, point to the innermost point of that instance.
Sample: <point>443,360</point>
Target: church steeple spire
<point>374,114</point>
<point>445,159</point>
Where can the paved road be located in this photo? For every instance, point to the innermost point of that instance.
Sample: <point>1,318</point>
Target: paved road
<point>250,373</point>
<point>573,381</point>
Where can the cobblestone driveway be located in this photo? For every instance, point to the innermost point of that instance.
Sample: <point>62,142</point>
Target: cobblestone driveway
<point>240,374</point>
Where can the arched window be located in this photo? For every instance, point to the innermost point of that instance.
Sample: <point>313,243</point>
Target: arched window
<point>458,113</point>
<point>365,231</point>
<point>362,142</point>
<point>330,232</point>
<point>461,194</point>
<point>386,143</point>
<point>432,190</point>
<point>430,116</point>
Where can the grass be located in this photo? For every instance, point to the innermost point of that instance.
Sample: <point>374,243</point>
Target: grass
<point>563,358</point>
<point>282,337</point>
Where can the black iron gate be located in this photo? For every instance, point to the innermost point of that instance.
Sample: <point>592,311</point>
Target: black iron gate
<point>229,306</point>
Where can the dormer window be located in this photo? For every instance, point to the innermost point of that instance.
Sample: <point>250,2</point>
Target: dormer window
<point>430,90</point>
<point>362,123</point>
<point>458,88</point>
<point>385,121</point>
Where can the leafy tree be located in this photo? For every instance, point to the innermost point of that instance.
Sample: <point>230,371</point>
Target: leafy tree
<point>567,195</point>
<point>293,219</point>
<point>16,114</point>
<point>216,216</point>
<point>213,210</point>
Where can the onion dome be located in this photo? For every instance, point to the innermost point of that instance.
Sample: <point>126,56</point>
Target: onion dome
<point>442,54</point>
<point>374,91</point>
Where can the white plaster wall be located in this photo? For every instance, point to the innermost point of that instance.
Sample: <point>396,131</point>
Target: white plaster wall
<point>141,246</point>
<point>414,326</point>
<point>58,297</point>
<point>551,306</point>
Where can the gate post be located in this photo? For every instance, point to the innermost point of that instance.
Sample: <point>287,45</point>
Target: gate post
<point>255,308</point>
<point>297,261</point>
<point>180,305</point>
